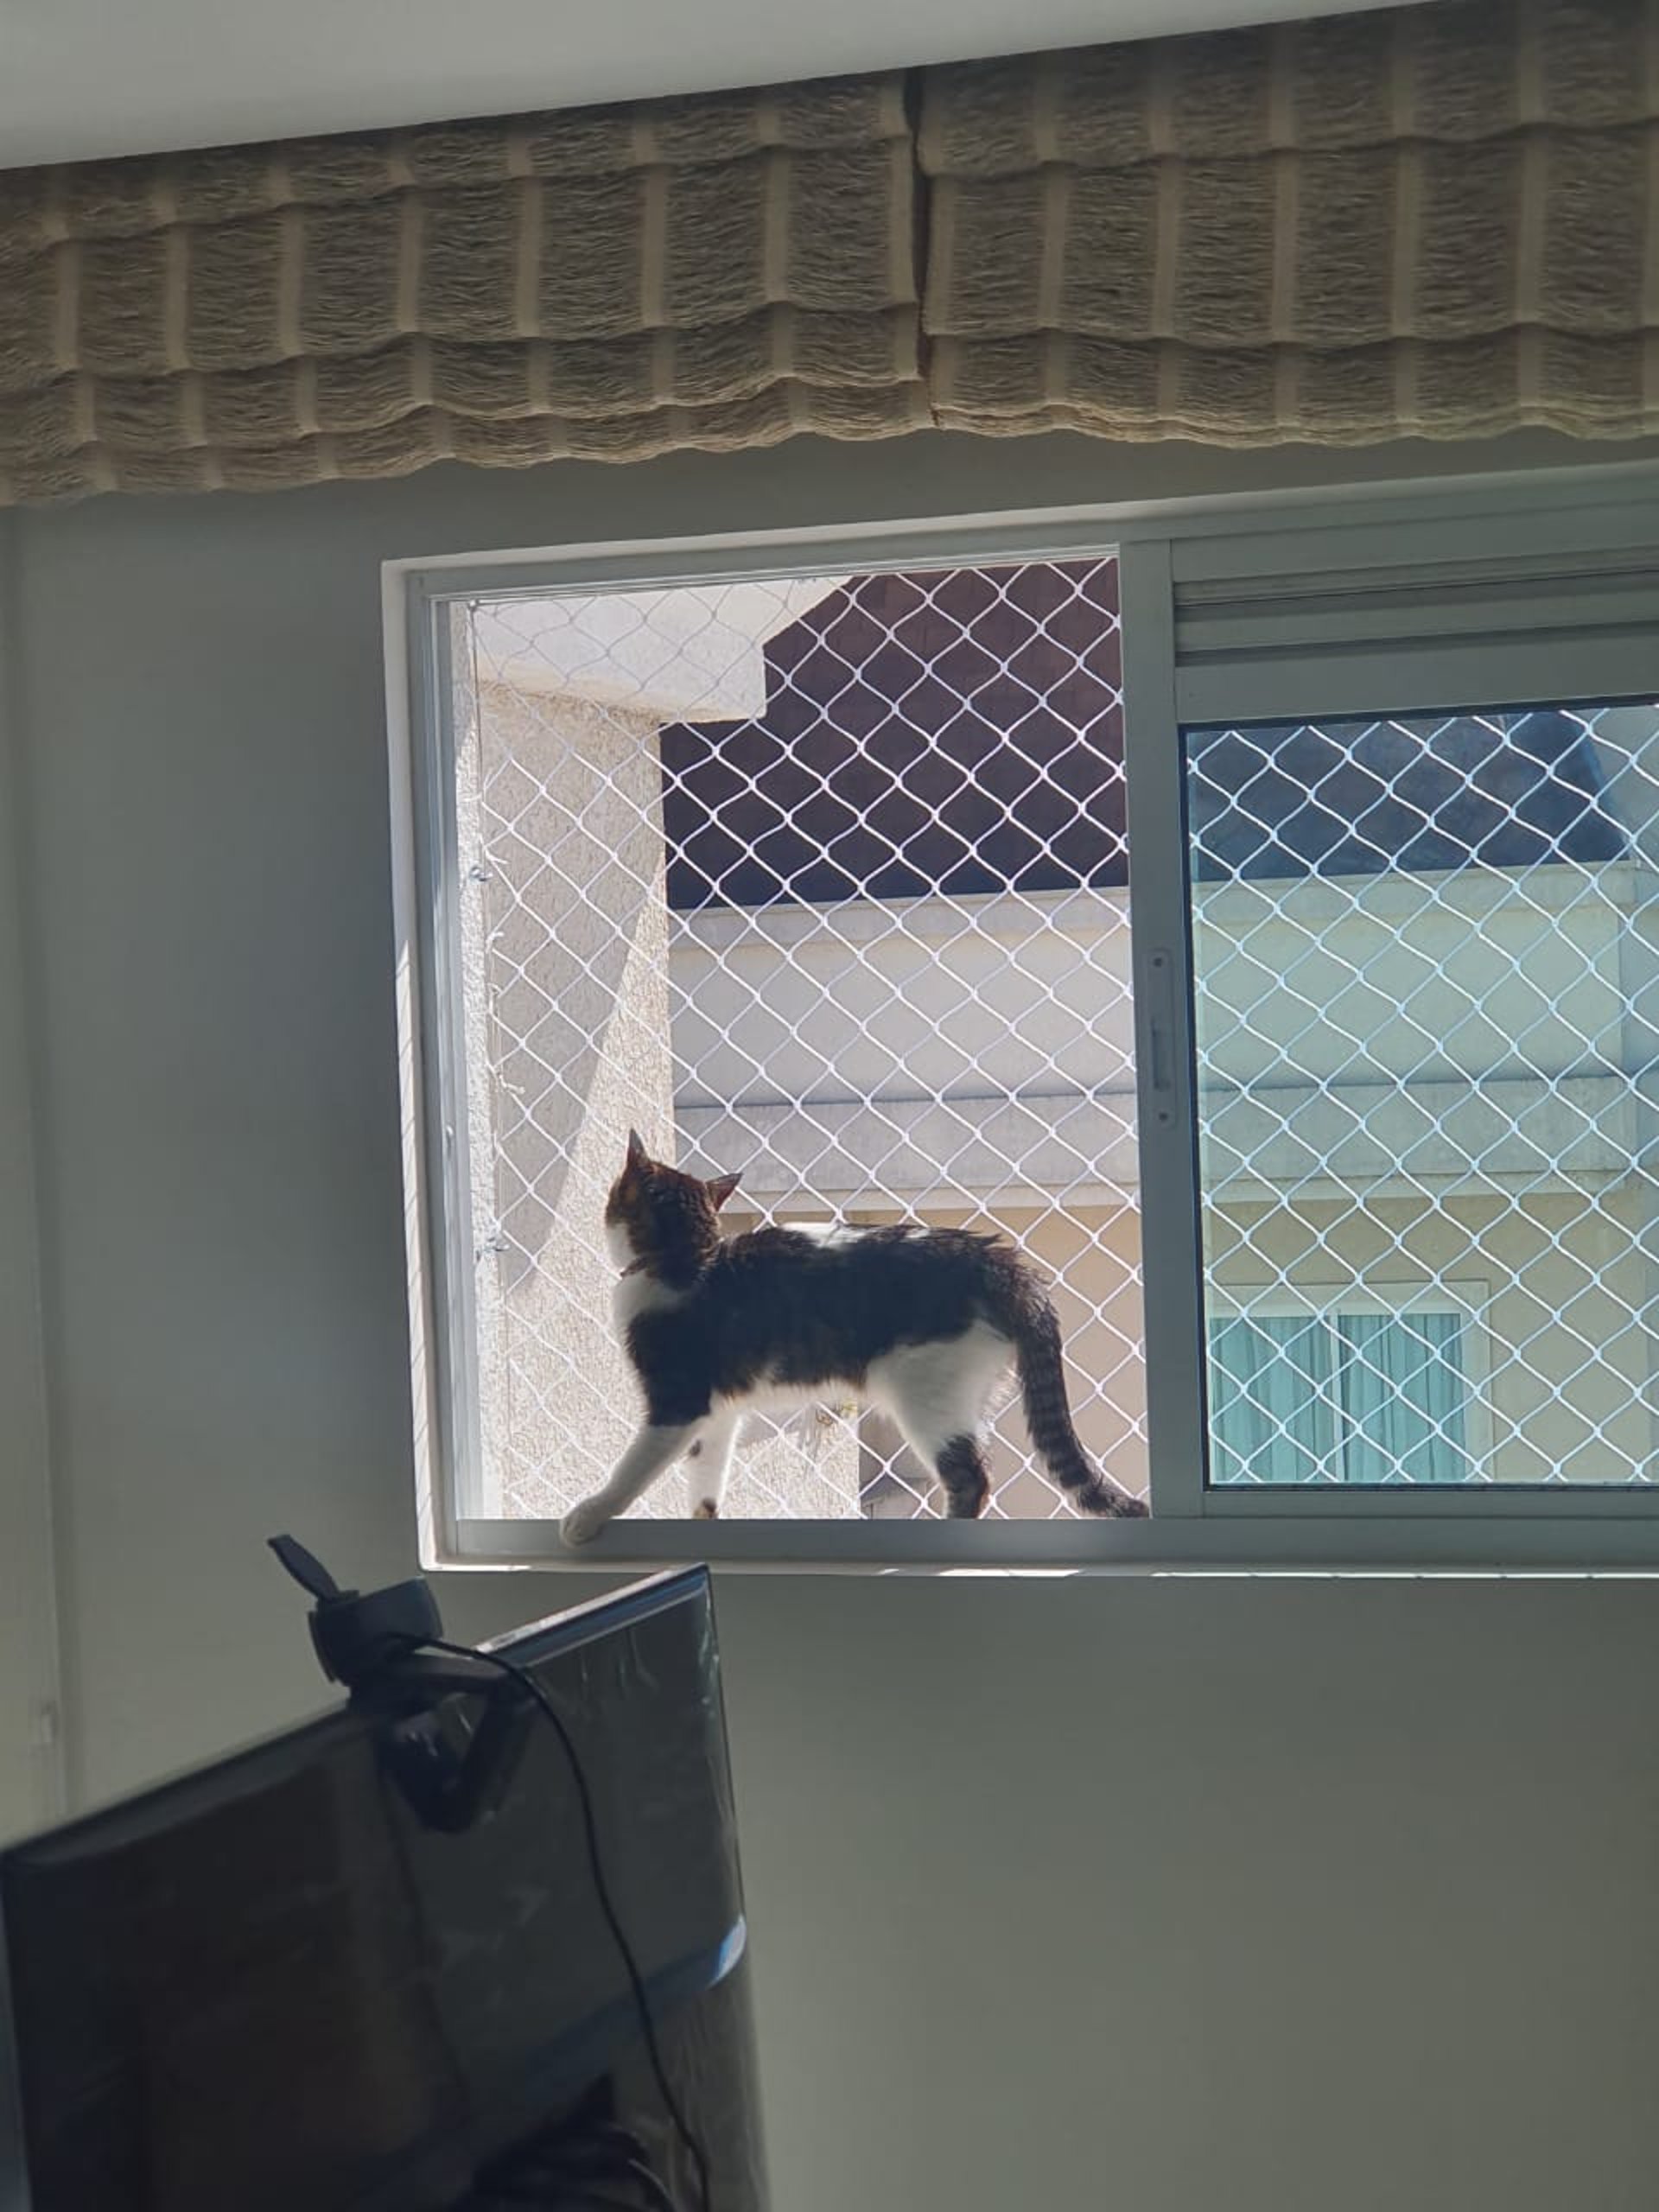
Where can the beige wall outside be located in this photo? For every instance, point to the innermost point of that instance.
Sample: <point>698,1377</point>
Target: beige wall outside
<point>565,931</point>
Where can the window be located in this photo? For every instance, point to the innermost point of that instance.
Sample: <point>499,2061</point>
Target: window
<point>1334,1393</point>
<point>1253,917</point>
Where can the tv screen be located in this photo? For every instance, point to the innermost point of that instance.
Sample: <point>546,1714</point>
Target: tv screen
<point>270,1986</point>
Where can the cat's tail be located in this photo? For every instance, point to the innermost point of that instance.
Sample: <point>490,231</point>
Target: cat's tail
<point>1048,1416</point>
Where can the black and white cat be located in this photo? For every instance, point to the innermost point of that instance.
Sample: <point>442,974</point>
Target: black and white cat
<point>922,1323</point>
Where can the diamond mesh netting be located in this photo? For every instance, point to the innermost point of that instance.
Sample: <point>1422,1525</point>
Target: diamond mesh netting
<point>824,882</point>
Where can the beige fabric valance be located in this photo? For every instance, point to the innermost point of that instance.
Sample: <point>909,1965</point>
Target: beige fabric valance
<point>1438,220</point>
<point>719,272</point>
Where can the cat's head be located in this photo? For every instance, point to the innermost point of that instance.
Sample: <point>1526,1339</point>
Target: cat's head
<point>656,1213</point>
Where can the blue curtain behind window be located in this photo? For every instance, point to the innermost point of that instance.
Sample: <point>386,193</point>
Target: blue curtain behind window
<point>1400,1385</point>
<point>1346,1397</point>
<point>1273,1417</point>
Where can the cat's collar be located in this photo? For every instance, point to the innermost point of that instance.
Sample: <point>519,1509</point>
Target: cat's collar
<point>635,1266</point>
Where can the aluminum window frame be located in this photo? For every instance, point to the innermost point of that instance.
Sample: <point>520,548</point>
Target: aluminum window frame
<point>1260,609</point>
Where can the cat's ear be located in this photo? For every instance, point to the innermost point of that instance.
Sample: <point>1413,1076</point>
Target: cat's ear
<point>636,1150</point>
<point>721,1188</point>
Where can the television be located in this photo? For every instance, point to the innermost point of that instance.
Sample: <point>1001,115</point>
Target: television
<point>278,1984</point>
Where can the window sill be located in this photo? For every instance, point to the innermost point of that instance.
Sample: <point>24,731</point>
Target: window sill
<point>1608,1533</point>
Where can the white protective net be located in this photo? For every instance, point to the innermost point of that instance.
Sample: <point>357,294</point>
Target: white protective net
<point>1427,990</point>
<point>824,882</point>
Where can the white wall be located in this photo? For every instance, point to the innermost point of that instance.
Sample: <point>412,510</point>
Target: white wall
<point>1282,1897</point>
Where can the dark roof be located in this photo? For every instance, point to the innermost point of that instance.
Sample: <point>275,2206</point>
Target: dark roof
<point>957,732</point>
<point>961,731</point>
<point>1364,797</point>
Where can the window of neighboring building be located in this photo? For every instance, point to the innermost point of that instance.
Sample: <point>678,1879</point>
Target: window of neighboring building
<point>1335,1394</point>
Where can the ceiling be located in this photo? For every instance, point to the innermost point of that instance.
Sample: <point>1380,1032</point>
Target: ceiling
<point>84,78</point>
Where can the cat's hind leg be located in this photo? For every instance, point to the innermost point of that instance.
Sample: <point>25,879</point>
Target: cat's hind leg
<point>946,1436</point>
<point>938,1394</point>
<point>960,1463</point>
<point>710,1464</point>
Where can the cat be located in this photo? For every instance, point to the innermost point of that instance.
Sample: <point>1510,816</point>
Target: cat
<point>922,1323</point>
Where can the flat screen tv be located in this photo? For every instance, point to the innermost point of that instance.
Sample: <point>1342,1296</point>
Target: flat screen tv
<point>273,1986</point>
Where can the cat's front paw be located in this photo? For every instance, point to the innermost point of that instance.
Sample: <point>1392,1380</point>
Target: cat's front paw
<point>583,1522</point>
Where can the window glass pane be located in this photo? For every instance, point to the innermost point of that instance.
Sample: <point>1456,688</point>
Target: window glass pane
<point>1426,972</point>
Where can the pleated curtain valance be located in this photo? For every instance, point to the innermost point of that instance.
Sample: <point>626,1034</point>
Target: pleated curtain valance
<point>607,283</point>
<point>1435,221</point>
<point>1439,220</point>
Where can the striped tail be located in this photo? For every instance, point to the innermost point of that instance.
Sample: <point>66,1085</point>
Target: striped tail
<point>1048,1416</point>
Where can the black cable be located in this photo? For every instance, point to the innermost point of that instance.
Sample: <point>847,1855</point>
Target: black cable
<point>660,2199</point>
<point>528,1682</point>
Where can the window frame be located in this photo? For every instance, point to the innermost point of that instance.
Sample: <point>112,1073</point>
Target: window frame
<point>1508,592</point>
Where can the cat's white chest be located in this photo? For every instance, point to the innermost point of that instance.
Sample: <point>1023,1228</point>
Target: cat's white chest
<point>635,1294</point>
<point>636,1291</point>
